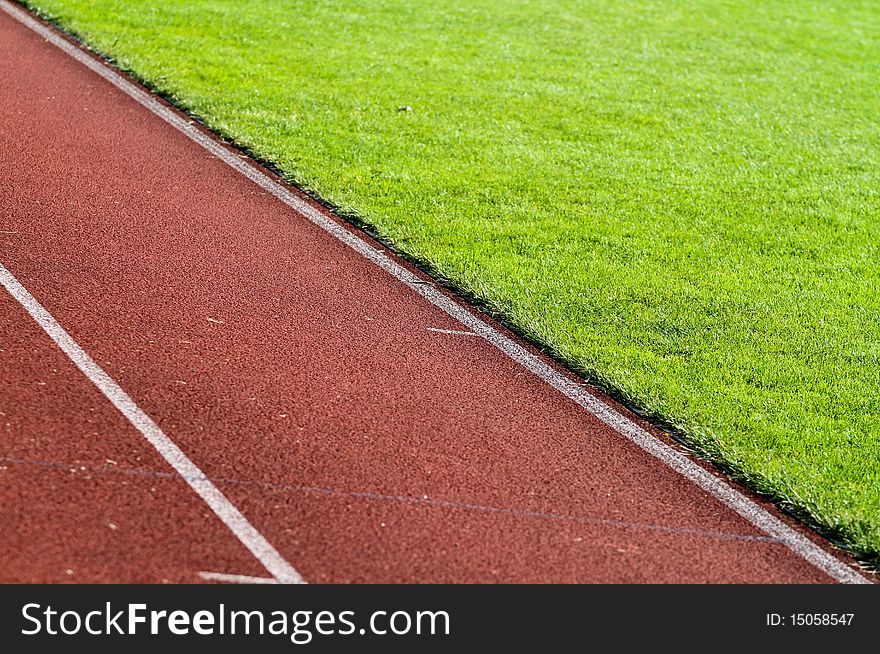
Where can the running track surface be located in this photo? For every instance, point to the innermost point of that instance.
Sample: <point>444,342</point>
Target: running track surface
<point>318,393</point>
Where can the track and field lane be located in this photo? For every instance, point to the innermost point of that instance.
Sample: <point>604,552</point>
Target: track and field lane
<point>83,497</point>
<point>350,420</point>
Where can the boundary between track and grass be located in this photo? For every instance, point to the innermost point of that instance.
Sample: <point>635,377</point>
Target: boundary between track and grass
<point>724,492</point>
<point>244,531</point>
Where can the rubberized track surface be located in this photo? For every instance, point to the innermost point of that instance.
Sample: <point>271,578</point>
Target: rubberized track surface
<point>364,432</point>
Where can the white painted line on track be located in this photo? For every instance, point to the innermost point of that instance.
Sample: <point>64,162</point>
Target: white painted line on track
<point>457,332</point>
<point>252,539</point>
<point>755,514</point>
<point>236,579</point>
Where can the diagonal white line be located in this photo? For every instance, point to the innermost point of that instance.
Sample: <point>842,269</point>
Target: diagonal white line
<point>756,515</point>
<point>280,569</point>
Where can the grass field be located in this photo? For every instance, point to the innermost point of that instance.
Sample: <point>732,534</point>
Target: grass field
<point>679,200</point>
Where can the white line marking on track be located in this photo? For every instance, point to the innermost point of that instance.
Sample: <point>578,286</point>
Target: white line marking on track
<point>252,539</point>
<point>236,579</point>
<point>756,515</point>
<point>457,332</point>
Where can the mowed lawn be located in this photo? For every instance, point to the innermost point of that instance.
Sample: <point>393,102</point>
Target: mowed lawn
<point>679,200</point>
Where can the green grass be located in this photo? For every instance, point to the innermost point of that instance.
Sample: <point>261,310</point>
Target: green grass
<point>679,200</point>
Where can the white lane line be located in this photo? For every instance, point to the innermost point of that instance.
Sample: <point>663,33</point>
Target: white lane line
<point>252,539</point>
<point>749,510</point>
<point>457,332</point>
<point>236,579</point>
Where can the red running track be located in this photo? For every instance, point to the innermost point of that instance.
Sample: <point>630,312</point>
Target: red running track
<point>319,394</point>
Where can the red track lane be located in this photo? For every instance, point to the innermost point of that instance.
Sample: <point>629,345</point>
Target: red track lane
<point>83,497</point>
<point>303,380</point>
